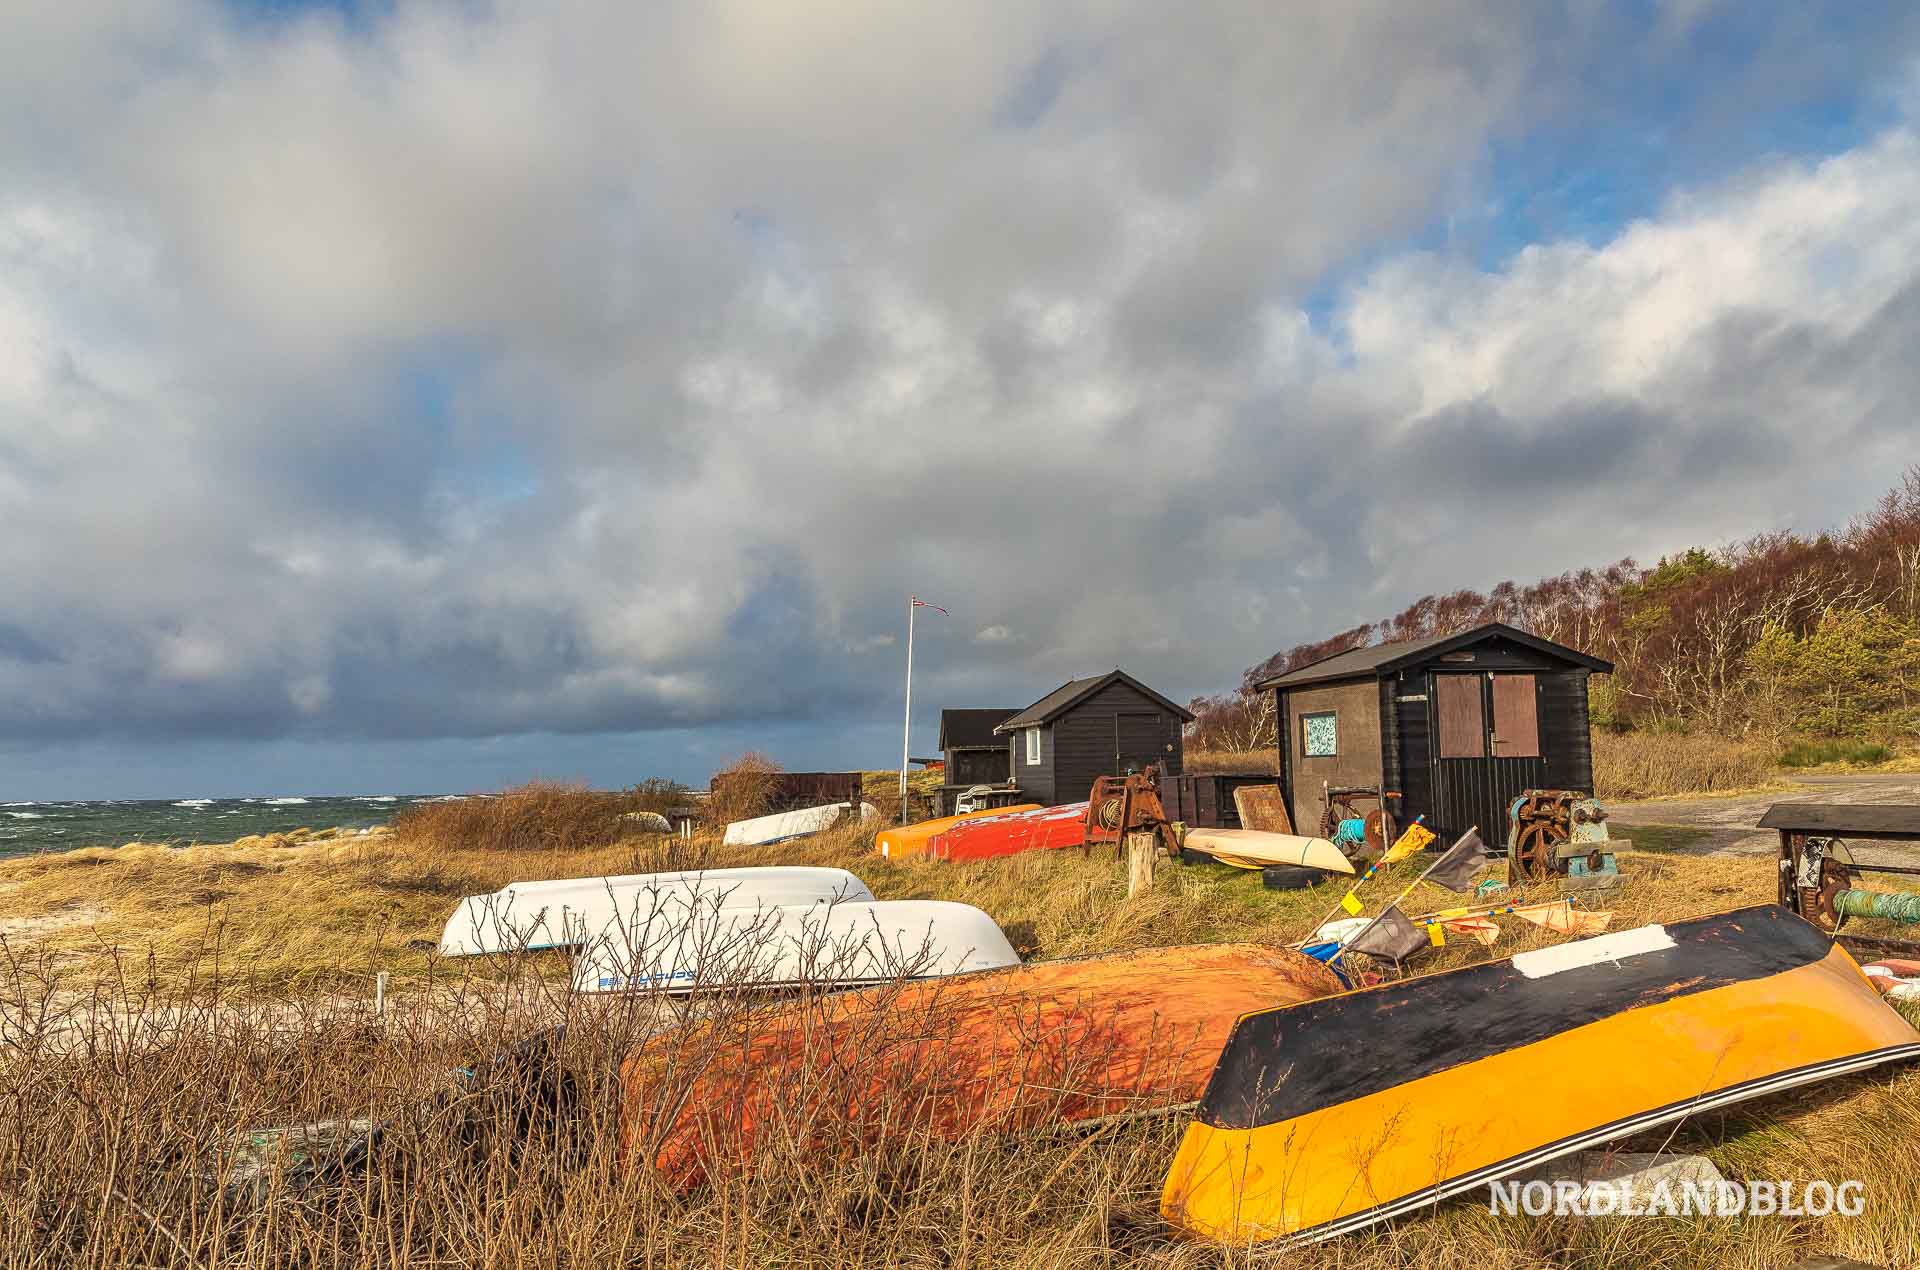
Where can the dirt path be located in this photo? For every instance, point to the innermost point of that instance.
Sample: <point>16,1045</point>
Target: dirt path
<point>1728,823</point>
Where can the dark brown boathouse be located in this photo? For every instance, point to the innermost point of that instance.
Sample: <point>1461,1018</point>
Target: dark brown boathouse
<point>1457,725</point>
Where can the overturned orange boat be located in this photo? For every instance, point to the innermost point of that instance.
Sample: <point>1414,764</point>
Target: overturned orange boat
<point>902,841</point>
<point>1044,1043</point>
<point>1331,1115</point>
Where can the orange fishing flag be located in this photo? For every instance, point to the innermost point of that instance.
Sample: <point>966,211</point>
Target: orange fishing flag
<point>1483,929</point>
<point>1560,916</point>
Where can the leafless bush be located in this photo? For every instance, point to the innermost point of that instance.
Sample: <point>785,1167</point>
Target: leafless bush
<point>741,790</point>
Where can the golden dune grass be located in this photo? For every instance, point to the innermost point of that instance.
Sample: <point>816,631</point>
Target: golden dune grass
<point>321,917</point>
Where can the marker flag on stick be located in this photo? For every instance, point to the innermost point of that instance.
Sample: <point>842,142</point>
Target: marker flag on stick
<point>1390,936</point>
<point>1417,838</point>
<point>1456,868</point>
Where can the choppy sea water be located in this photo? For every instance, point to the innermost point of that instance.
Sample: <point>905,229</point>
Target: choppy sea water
<point>60,826</point>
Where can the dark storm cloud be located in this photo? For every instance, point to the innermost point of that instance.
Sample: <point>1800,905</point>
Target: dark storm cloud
<point>582,371</point>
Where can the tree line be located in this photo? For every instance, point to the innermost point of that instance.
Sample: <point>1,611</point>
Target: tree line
<point>1774,635</point>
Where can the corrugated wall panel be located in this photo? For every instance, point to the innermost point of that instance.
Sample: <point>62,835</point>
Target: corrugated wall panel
<point>1416,747</point>
<point>1565,733</point>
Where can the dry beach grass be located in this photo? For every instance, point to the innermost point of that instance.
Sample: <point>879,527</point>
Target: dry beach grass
<point>143,1097</point>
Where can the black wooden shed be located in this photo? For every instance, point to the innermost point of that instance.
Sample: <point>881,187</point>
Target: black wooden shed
<point>1106,725</point>
<point>975,754</point>
<point>1457,725</point>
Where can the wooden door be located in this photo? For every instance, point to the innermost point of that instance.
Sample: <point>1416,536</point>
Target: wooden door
<point>1486,750</point>
<point>1516,717</point>
<point>1140,739</point>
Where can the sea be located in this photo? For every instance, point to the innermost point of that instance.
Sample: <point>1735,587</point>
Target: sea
<point>27,827</point>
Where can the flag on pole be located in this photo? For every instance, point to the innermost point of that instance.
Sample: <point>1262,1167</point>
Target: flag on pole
<point>919,603</point>
<point>1390,936</point>
<point>1456,868</point>
<point>1417,838</point>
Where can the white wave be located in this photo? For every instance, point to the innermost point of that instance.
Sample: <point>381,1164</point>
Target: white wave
<point>194,802</point>
<point>285,802</point>
<point>26,815</point>
<point>28,803</point>
<point>376,798</point>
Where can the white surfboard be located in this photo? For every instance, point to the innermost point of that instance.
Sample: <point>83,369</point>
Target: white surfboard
<point>838,944</point>
<point>568,912</point>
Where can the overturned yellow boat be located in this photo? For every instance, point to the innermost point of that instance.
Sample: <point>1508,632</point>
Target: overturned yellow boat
<point>1325,1117</point>
<point>1258,848</point>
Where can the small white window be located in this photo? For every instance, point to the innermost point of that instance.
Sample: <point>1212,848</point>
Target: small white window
<point>1033,747</point>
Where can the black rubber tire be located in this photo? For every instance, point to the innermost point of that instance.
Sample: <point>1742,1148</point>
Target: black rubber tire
<point>1290,877</point>
<point>1190,856</point>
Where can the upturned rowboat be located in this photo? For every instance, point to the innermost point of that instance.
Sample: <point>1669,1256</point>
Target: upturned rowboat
<point>820,945</point>
<point>1091,1037</point>
<point>910,840</point>
<point>569,912</point>
<point>1257,849</point>
<point>1472,1075</point>
<point>1043,829</point>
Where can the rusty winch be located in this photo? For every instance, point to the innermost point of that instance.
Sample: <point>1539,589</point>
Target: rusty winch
<point>1120,805</point>
<point>1824,880</point>
<point>1558,833</point>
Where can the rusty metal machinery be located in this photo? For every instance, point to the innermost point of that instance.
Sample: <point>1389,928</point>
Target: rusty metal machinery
<point>1358,833</point>
<point>1821,880</point>
<point>1120,805</point>
<point>1558,833</point>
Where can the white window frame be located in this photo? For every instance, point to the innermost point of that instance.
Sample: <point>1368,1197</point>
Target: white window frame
<point>1033,747</point>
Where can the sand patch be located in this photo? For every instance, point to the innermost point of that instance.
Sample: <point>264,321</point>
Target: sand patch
<point>28,928</point>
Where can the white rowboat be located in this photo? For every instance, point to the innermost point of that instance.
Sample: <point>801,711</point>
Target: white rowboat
<point>833,944</point>
<point>791,824</point>
<point>569,912</point>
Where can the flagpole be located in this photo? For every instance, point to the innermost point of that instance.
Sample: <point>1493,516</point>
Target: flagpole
<point>906,729</point>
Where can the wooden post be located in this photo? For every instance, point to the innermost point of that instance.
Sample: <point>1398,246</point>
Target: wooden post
<point>1141,848</point>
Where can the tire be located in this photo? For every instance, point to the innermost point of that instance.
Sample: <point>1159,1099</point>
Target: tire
<point>1189,856</point>
<point>1290,877</point>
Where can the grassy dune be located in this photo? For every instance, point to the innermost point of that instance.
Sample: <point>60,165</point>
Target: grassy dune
<point>175,1069</point>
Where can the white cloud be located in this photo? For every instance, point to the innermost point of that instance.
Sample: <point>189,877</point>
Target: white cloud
<point>463,371</point>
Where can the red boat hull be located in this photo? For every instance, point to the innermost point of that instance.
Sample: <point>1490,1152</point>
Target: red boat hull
<point>1049,828</point>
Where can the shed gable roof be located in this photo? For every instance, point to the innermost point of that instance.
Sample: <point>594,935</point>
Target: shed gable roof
<point>1383,659</point>
<point>1074,691</point>
<point>971,729</point>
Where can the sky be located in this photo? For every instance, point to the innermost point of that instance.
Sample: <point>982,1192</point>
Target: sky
<point>425,396</point>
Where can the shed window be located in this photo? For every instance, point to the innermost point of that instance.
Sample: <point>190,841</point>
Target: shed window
<point>1319,735</point>
<point>1033,747</point>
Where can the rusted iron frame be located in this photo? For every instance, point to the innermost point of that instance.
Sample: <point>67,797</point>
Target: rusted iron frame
<point>1793,844</point>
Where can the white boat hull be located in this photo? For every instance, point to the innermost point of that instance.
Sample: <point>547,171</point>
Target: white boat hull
<point>841,945</point>
<point>780,826</point>
<point>569,912</point>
